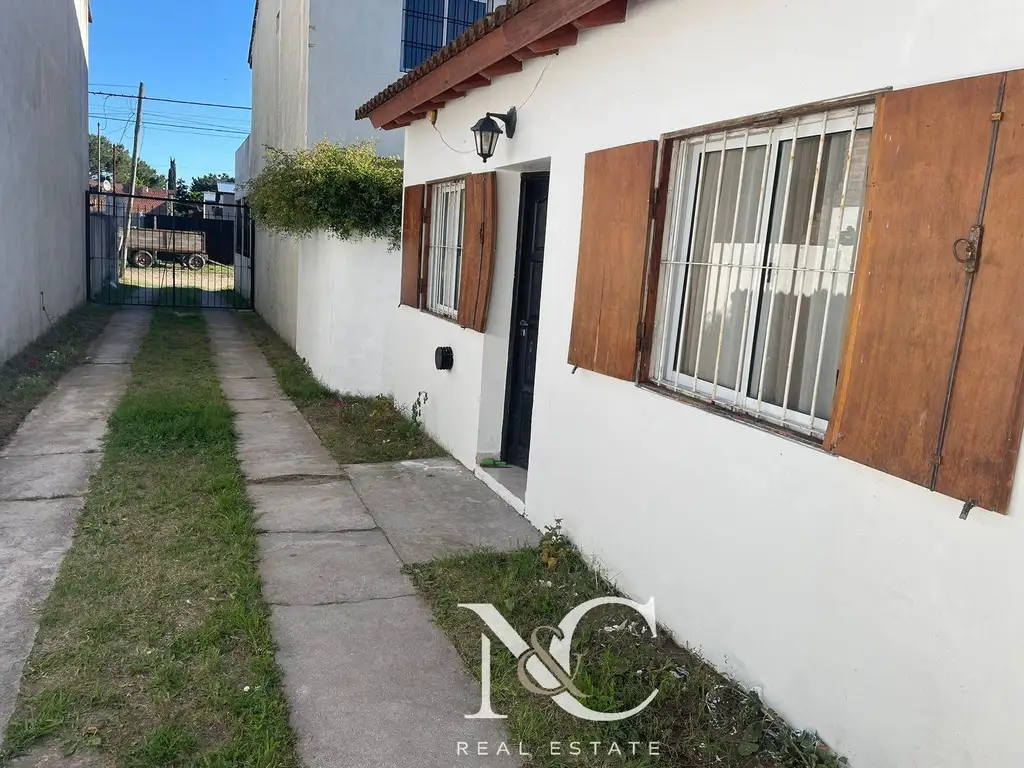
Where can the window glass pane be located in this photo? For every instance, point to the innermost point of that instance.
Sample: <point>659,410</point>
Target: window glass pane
<point>462,14</point>
<point>423,31</point>
<point>723,254</point>
<point>807,288</point>
<point>445,253</point>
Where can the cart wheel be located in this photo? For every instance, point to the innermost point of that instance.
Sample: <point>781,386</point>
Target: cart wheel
<point>144,259</point>
<point>131,259</point>
<point>195,261</point>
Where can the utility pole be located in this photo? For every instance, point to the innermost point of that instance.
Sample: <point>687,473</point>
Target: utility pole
<point>134,178</point>
<point>99,158</point>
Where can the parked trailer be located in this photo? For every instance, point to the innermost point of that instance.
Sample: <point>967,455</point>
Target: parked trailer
<point>145,244</point>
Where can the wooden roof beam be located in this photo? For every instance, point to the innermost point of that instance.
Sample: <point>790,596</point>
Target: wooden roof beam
<point>441,99</point>
<point>399,122</point>
<point>476,81</point>
<point>613,12</point>
<point>526,54</point>
<point>507,66</point>
<point>560,38</point>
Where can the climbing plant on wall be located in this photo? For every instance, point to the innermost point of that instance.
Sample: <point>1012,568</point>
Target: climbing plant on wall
<point>347,190</point>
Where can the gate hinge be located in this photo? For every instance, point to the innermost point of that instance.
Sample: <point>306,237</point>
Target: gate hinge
<point>967,250</point>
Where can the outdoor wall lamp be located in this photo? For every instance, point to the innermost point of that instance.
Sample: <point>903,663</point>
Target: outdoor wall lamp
<point>487,131</point>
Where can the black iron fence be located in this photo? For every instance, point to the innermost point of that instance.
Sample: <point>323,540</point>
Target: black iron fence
<point>160,251</point>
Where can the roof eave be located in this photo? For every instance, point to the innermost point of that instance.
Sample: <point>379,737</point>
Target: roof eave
<point>495,45</point>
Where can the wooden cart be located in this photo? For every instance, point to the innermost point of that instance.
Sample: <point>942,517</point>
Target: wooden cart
<point>146,245</point>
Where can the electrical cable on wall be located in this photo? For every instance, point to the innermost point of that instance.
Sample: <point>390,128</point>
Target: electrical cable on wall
<point>527,101</point>
<point>536,85</point>
<point>453,149</point>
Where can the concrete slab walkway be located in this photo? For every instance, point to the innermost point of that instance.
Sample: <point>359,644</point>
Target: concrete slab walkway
<point>44,473</point>
<point>372,682</point>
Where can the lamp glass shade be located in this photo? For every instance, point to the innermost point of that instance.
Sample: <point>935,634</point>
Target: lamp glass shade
<point>485,134</point>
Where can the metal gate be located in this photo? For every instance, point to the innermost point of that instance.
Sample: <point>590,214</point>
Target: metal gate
<point>161,251</point>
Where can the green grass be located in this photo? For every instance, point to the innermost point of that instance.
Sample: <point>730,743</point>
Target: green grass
<point>29,376</point>
<point>355,430</point>
<point>699,717</point>
<point>154,648</point>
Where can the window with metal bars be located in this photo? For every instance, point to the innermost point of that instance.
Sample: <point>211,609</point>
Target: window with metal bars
<point>444,257</point>
<point>757,268</point>
<point>429,25</point>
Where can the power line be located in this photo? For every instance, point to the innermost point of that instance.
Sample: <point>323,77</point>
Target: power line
<point>239,125</point>
<point>190,127</point>
<point>173,101</point>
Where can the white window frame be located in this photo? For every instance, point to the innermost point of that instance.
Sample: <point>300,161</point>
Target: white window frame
<point>683,195</point>
<point>444,251</point>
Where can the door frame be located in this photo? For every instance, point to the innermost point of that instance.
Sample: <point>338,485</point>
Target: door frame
<point>524,179</point>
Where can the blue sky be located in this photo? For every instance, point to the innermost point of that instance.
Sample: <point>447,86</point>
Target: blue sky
<point>193,50</point>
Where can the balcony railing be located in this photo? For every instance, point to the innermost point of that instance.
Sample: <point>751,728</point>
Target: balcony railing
<point>429,25</point>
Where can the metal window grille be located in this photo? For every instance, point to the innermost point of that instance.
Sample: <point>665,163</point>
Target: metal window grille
<point>444,265</point>
<point>429,25</point>
<point>757,266</point>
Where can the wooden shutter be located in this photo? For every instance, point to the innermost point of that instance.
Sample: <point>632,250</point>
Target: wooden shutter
<point>412,244</point>
<point>478,250</point>
<point>929,153</point>
<point>617,191</point>
<point>984,430</point>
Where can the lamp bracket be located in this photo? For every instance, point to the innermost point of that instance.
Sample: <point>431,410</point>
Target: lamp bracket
<point>508,118</point>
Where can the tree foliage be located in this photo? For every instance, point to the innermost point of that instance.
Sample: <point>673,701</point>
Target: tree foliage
<point>148,176</point>
<point>208,183</point>
<point>347,190</point>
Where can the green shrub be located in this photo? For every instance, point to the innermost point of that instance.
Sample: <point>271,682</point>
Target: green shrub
<point>348,191</point>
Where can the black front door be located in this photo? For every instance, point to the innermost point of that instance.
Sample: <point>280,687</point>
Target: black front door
<point>533,215</point>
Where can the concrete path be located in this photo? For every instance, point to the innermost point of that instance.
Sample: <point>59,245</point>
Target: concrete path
<point>44,472</point>
<point>372,682</point>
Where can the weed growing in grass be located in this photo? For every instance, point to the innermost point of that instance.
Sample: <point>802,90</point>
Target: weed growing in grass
<point>355,430</point>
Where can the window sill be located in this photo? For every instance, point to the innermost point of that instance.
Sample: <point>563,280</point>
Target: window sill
<point>446,318</point>
<point>739,416</point>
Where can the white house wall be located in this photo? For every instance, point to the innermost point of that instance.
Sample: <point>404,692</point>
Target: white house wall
<point>44,161</point>
<point>858,603</point>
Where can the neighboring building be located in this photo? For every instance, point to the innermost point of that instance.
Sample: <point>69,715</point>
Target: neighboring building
<point>44,165</point>
<point>312,63</point>
<point>220,204</point>
<point>710,300</point>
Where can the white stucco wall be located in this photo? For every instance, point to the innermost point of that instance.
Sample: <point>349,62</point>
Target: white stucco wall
<point>355,51</point>
<point>349,300</point>
<point>44,158</point>
<point>243,164</point>
<point>859,603</point>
